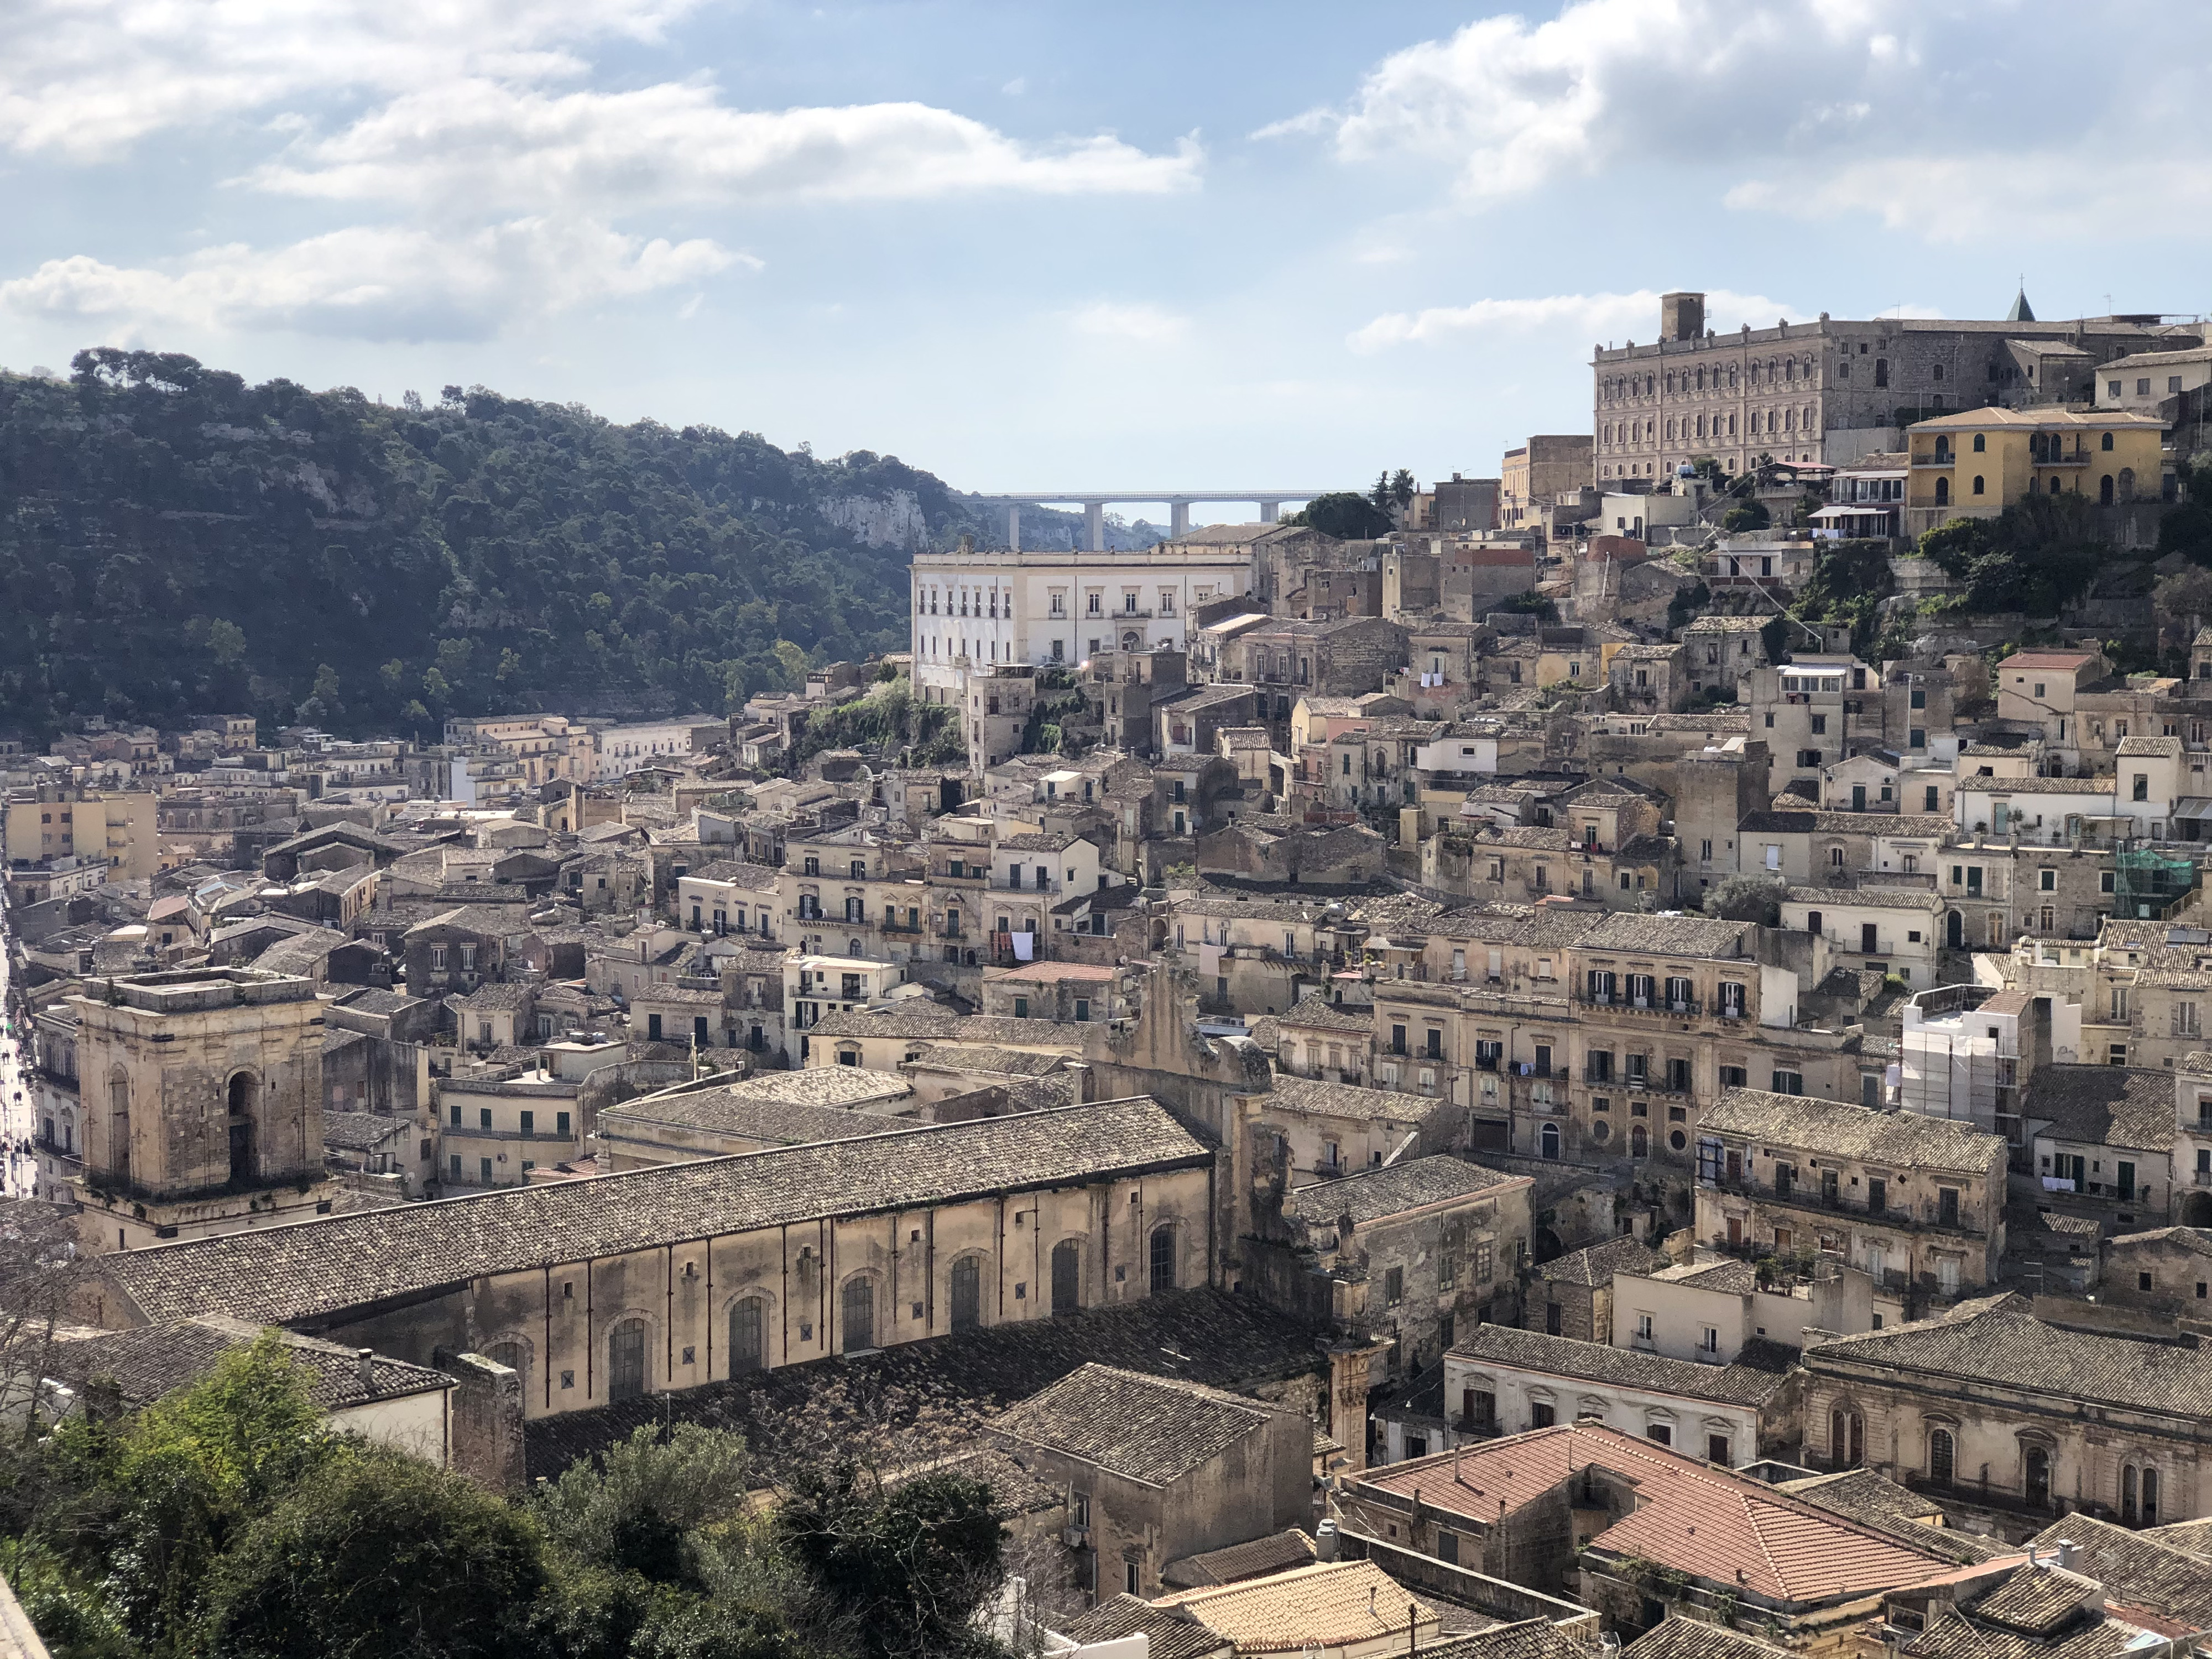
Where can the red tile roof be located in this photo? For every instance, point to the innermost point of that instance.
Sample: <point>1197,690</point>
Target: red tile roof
<point>1689,1516</point>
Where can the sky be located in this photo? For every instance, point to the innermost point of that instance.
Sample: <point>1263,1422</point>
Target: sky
<point>1048,246</point>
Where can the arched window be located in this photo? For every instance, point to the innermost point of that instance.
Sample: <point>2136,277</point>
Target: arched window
<point>1549,1140</point>
<point>1943,492</point>
<point>1639,1143</point>
<point>2150,1498</point>
<point>2108,442</point>
<point>118,1128</point>
<point>626,1361</point>
<point>2104,490</point>
<point>1943,449</point>
<point>2054,483</point>
<point>2035,1470</point>
<point>510,1354</point>
<point>1977,483</point>
<point>1981,442</point>
<point>1846,1439</point>
<point>747,1335</point>
<point>859,1303</point>
<point>1067,1276</point>
<point>1163,1257</point>
<point>967,1293</point>
<point>244,1166</point>
<point>1941,1455</point>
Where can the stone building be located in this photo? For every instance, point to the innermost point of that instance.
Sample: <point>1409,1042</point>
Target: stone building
<point>2016,1418</point>
<point>1828,391</point>
<point>1916,1202</point>
<point>1572,1295</point>
<point>202,1105</point>
<point>666,1279</point>
<point>1155,1469</point>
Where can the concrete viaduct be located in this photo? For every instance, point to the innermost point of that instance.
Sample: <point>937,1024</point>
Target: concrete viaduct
<point>1093,503</point>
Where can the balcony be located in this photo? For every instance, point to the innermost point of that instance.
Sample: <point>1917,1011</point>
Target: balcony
<point>1664,1007</point>
<point>1945,459</point>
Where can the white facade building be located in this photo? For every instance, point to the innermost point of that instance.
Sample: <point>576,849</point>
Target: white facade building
<point>624,748</point>
<point>984,609</point>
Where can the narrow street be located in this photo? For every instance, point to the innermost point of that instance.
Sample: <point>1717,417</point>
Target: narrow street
<point>18,1096</point>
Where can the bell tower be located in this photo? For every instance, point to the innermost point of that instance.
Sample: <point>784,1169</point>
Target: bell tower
<point>203,1093</point>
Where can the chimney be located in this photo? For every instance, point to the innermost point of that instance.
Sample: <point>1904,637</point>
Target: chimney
<point>2068,1549</point>
<point>364,1364</point>
<point>1326,1540</point>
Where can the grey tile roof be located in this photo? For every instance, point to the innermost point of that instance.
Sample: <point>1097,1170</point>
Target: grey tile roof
<point>1377,1194</point>
<point>1305,1094</point>
<point>2126,1106</point>
<point>987,1057</point>
<point>1314,1012</point>
<point>1753,1380</point>
<point>1167,1633</point>
<point>792,1108</point>
<point>1673,936</point>
<point>1599,1263</point>
<point>358,1131</point>
<point>1530,1638</point>
<point>916,1020</point>
<point>314,1268</point>
<point>1278,1551</point>
<point>1881,899</point>
<point>153,1360</point>
<point>1147,1429</point>
<point>2138,1568</point>
<point>1995,1340</point>
<point>1907,1140</point>
<point>1680,1638</point>
<point>1555,925</point>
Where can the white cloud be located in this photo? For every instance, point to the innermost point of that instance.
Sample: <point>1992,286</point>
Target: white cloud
<point>1983,196</point>
<point>1143,325</point>
<point>372,282</point>
<point>1910,110</point>
<point>482,142</point>
<point>87,77</point>
<point>1585,316</point>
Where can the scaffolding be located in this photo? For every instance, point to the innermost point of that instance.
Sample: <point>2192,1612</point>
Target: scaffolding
<point>2148,885</point>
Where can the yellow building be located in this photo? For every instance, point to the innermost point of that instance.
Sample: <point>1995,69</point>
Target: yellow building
<point>1976,463</point>
<point>56,822</point>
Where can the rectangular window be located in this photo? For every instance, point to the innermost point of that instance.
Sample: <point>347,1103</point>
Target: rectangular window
<point>560,1124</point>
<point>1393,1286</point>
<point>528,1124</point>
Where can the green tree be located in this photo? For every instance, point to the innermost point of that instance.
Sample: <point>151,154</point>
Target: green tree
<point>225,642</point>
<point>1343,513</point>
<point>1403,489</point>
<point>376,1556</point>
<point>327,686</point>
<point>634,1509</point>
<point>393,674</point>
<point>1745,516</point>
<point>1748,898</point>
<point>910,1564</point>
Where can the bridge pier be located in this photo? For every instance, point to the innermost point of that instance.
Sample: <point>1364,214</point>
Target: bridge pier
<point>1013,530</point>
<point>1269,511</point>
<point>1094,526</point>
<point>1178,521</point>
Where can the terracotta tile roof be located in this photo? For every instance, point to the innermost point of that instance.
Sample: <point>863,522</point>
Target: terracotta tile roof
<point>314,1268</point>
<point>1151,1429</point>
<point>1044,973</point>
<point>1783,1548</point>
<point>1873,1500</point>
<point>1330,1604</point>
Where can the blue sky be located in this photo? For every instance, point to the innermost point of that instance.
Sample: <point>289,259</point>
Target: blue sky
<point>1069,245</point>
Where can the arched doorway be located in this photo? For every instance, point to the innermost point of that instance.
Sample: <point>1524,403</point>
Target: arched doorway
<point>967,1294</point>
<point>1548,1140</point>
<point>1954,930</point>
<point>2035,1477</point>
<point>2196,1210</point>
<point>626,1361</point>
<point>859,1304</point>
<point>747,1335</point>
<point>2104,490</point>
<point>1639,1143</point>
<point>244,1165</point>
<point>1846,1439</point>
<point>1162,1259</point>
<point>1067,1276</point>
